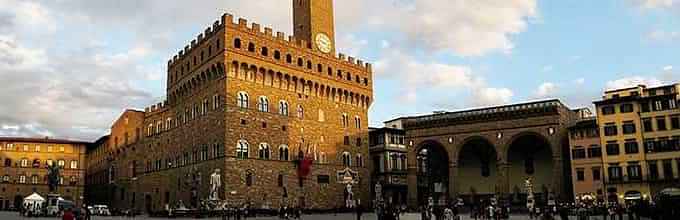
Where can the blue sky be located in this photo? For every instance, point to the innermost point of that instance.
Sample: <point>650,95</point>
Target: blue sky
<point>70,67</point>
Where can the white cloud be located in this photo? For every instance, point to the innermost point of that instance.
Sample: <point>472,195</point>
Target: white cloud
<point>350,45</point>
<point>667,68</point>
<point>652,4</point>
<point>547,68</point>
<point>492,96</point>
<point>632,81</point>
<point>660,35</point>
<point>422,77</point>
<point>546,90</point>
<point>467,28</point>
<point>580,81</point>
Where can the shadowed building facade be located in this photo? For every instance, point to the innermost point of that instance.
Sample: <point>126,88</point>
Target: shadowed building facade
<point>247,101</point>
<point>479,153</point>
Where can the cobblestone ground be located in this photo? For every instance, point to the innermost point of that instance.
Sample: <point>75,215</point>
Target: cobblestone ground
<point>368,216</point>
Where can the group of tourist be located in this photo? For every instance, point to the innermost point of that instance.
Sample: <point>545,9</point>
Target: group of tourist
<point>32,210</point>
<point>286,212</point>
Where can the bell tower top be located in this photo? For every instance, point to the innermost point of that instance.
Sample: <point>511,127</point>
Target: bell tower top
<point>313,22</point>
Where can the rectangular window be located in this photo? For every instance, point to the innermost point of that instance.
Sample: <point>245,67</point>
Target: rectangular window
<point>594,151</point>
<point>661,124</point>
<point>675,122</point>
<point>653,171</point>
<point>657,105</point>
<point>615,173</point>
<point>667,166</point>
<point>644,106</point>
<point>323,179</point>
<point>580,175</point>
<point>628,127</point>
<point>626,108</point>
<point>596,174</point>
<point>631,147</point>
<point>610,129</point>
<point>578,153</point>
<point>612,149</point>
<point>647,124</point>
<point>608,110</point>
<point>634,172</point>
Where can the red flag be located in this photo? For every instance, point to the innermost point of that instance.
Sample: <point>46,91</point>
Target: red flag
<point>306,164</point>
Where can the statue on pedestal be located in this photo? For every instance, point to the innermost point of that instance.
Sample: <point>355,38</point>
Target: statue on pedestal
<point>215,184</point>
<point>53,177</point>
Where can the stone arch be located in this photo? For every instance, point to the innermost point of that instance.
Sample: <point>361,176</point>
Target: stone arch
<point>233,69</point>
<point>269,78</point>
<point>243,71</point>
<point>260,75</point>
<point>279,80</point>
<point>529,154</point>
<point>477,164</point>
<point>252,72</point>
<point>432,162</point>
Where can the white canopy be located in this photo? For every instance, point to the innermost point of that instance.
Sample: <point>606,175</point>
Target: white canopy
<point>34,198</point>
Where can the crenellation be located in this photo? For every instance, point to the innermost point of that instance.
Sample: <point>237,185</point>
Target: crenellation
<point>227,19</point>
<point>369,67</point>
<point>193,43</point>
<point>280,36</point>
<point>350,59</point>
<point>268,32</point>
<point>200,37</point>
<point>216,25</point>
<point>181,52</point>
<point>255,28</point>
<point>186,49</point>
<point>341,56</point>
<point>243,23</point>
<point>360,62</point>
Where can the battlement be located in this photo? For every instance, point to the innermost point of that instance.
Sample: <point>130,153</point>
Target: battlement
<point>158,107</point>
<point>242,25</point>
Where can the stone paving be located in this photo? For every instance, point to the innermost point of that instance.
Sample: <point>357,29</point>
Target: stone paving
<point>368,216</point>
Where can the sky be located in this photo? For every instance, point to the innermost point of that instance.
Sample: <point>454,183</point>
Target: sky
<point>68,68</point>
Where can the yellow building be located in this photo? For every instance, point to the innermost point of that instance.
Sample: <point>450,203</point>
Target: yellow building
<point>629,117</point>
<point>24,162</point>
<point>586,159</point>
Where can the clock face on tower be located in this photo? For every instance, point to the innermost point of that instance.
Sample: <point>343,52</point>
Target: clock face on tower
<point>323,43</point>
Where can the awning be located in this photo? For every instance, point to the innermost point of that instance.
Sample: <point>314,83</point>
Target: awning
<point>632,196</point>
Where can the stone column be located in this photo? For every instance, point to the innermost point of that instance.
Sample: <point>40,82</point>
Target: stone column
<point>453,180</point>
<point>503,180</point>
<point>412,180</point>
<point>558,178</point>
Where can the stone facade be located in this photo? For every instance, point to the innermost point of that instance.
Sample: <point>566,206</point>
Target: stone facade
<point>247,102</point>
<point>498,136</point>
<point>24,168</point>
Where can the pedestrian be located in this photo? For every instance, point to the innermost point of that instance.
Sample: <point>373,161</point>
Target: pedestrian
<point>359,210</point>
<point>68,215</point>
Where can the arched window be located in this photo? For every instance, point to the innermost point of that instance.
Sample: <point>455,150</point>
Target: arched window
<point>359,161</point>
<point>277,55</point>
<point>345,120</point>
<point>237,43</point>
<point>36,163</point>
<point>309,64</point>
<point>74,164</point>
<point>24,162</point>
<point>289,58</point>
<point>8,162</point>
<point>242,149</point>
<point>34,179</point>
<point>322,158</point>
<point>319,68</point>
<point>5,178</point>
<point>251,47</point>
<point>263,151</point>
<point>263,104</point>
<point>265,51</point>
<point>283,108</point>
<point>283,152</point>
<point>300,62</point>
<point>242,100</point>
<point>73,180</point>
<point>346,159</point>
<point>357,122</point>
<point>22,179</point>
<point>300,112</point>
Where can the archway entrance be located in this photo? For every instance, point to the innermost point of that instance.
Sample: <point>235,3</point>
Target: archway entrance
<point>147,203</point>
<point>477,170</point>
<point>530,157</point>
<point>18,200</point>
<point>433,173</point>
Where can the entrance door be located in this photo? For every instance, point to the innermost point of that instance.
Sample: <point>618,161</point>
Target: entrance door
<point>147,203</point>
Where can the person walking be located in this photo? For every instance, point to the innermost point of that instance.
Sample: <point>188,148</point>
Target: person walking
<point>359,210</point>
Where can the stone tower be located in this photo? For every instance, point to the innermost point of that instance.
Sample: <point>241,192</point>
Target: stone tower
<point>313,22</point>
